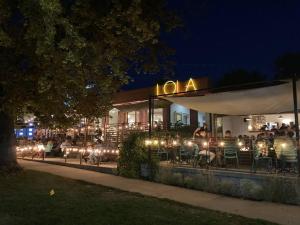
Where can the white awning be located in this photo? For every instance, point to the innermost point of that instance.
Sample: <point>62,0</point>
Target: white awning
<point>266,100</point>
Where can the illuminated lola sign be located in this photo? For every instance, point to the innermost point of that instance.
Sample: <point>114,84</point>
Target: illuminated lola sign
<point>173,87</point>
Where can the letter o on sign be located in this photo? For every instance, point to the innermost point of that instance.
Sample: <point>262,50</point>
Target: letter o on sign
<point>169,87</point>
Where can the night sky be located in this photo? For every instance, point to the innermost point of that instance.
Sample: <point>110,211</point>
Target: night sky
<point>221,35</point>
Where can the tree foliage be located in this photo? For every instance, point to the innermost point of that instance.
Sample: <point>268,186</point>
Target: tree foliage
<point>287,65</point>
<point>240,76</point>
<point>63,59</point>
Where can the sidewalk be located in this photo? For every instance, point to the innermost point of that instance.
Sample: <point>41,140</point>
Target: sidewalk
<point>277,213</point>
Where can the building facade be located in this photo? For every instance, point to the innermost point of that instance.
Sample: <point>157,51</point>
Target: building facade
<point>131,109</point>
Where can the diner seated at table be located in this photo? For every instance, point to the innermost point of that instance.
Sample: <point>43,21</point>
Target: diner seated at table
<point>92,157</point>
<point>284,143</point>
<point>66,143</point>
<point>201,137</point>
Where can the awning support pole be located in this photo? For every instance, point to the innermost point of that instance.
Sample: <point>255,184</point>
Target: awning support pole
<point>295,98</point>
<point>150,117</point>
<point>150,134</point>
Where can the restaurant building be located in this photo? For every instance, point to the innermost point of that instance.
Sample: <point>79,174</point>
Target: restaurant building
<point>131,109</point>
<point>242,110</point>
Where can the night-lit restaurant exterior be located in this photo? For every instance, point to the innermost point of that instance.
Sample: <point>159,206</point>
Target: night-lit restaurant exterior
<point>243,111</point>
<point>248,112</point>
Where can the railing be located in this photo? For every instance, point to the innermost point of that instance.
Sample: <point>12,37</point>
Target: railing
<point>114,134</point>
<point>278,155</point>
<point>90,155</point>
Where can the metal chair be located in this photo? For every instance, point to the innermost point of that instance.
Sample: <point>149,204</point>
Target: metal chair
<point>230,152</point>
<point>161,152</point>
<point>260,156</point>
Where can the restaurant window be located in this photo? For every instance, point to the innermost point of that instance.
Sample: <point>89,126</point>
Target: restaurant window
<point>131,117</point>
<point>178,117</point>
<point>113,116</point>
<point>185,118</point>
<point>158,115</point>
<point>219,126</point>
<point>181,117</point>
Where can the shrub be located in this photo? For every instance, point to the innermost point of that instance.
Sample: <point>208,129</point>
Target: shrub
<point>251,190</point>
<point>133,154</point>
<point>167,176</point>
<point>281,190</point>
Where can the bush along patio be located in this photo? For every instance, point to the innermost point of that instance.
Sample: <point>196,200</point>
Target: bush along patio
<point>249,186</point>
<point>134,161</point>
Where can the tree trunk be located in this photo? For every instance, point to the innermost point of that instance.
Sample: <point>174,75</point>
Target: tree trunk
<point>8,159</point>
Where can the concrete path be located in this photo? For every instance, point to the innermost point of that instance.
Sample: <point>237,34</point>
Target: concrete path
<point>277,213</point>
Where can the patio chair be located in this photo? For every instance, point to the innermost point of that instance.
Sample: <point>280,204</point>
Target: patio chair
<point>195,155</point>
<point>260,157</point>
<point>162,154</point>
<point>230,152</point>
<point>184,154</point>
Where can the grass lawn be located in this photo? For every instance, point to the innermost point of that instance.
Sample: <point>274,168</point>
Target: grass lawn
<point>25,200</point>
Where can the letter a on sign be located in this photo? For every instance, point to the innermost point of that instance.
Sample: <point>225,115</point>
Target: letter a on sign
<point>191,85</point>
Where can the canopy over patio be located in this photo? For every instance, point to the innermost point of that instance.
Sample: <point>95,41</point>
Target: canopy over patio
<point>264,100</point>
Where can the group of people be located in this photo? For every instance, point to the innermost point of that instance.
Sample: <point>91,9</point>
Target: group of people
<point>265,140</point>
<point>202,138</point>
<point>56,146</point>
